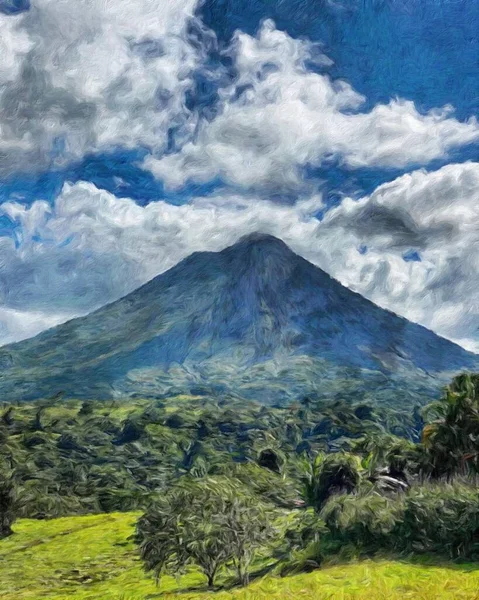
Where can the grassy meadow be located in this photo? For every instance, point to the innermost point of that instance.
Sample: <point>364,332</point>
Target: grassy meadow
<point>91,557</point>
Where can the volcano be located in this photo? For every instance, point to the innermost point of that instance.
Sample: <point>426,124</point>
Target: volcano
<point>254,320</point>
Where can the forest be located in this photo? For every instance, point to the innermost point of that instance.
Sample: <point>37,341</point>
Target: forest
<point>234,489</point>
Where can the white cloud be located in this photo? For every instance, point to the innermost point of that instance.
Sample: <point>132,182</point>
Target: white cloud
<point>91,247</point>
<point>278,117</point>
<point>82,76</point>
<point>435,214</point>
<point>18,325</point>
<point>93,75</point>
<point>14,45</point>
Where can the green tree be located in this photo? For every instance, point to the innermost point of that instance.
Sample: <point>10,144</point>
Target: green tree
<point>330,474</point>
<point>247,529</point>
<point>158,534</point>
<point>452,438</point>
<point>209,523</point>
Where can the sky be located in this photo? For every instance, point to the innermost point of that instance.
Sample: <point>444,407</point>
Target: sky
<point>135,132</point>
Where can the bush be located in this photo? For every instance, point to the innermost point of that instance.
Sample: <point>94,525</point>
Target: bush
<point>440,518</point>
<point>305,561</point>
<point>365,521</point>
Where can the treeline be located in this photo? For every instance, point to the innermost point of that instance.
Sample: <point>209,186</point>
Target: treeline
<point>70,457</point>
<point>233,487</point>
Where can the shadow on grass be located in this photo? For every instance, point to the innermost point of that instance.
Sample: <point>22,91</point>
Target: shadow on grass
<point>229,584</point>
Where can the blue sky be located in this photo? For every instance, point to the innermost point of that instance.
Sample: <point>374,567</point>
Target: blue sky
<point>188,103</point>
<point>425,51</point>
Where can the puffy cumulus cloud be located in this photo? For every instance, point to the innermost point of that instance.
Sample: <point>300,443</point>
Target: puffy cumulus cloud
<point>278,116</point>
<point>93,75</point>
<point>91,247</point>
<point>77,77</point>
<point>434,214</point>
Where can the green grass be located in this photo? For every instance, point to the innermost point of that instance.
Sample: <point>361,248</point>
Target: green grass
<point>90,557</point>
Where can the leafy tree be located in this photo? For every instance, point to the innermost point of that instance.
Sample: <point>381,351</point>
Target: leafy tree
<point>452,438</point>
<point>87,408</point>
<point>208,523</point>
<point>185,527</point>
<point>330,474</point>
<point>390,461</point>
<point>247,529</point>
<point>158,534</point>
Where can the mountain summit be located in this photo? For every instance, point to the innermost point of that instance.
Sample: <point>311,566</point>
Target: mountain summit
<point>255,320</point>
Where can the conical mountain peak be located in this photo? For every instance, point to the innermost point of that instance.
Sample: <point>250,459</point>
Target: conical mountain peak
<point>258,238</point>
<point>259,248</point>
<point>254,318</point>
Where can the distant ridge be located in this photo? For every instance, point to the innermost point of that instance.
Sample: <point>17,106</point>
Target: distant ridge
<point>254,320</point>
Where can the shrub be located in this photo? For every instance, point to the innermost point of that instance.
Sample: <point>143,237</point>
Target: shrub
<point>442,519</point>
<point>365,521</point>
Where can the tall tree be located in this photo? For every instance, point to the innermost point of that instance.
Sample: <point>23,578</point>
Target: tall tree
<point>452,438</point>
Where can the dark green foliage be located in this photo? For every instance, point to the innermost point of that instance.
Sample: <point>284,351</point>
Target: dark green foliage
<point>8,418</point>
<point>132,431</point>
<point>442,519</point>
<point>79,457</point>
<point>452,438</point>
<point>87,408</point>
<point>365,521</point>
<point>366,486</point>
<point>8,505</point>
<point>37,424</point>
<point>434,519</point>
<point>269,459</point>
<point>69,441</point>
<point>175,421</point>
<point>331,474</point>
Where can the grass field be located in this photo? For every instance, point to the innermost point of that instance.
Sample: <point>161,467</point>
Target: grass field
<point>91,557</point>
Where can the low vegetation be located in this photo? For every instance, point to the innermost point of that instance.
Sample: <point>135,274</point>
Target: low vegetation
<point>94,557</point>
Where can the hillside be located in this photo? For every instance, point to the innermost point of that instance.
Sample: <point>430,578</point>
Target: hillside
<point>86,558</point>
<point>254,320</point>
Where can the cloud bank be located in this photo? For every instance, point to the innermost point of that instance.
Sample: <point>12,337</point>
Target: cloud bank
<point>82,77</point>
<point>278,117</point>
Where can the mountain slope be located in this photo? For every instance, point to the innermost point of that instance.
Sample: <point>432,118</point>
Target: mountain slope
<point>217,318</point>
